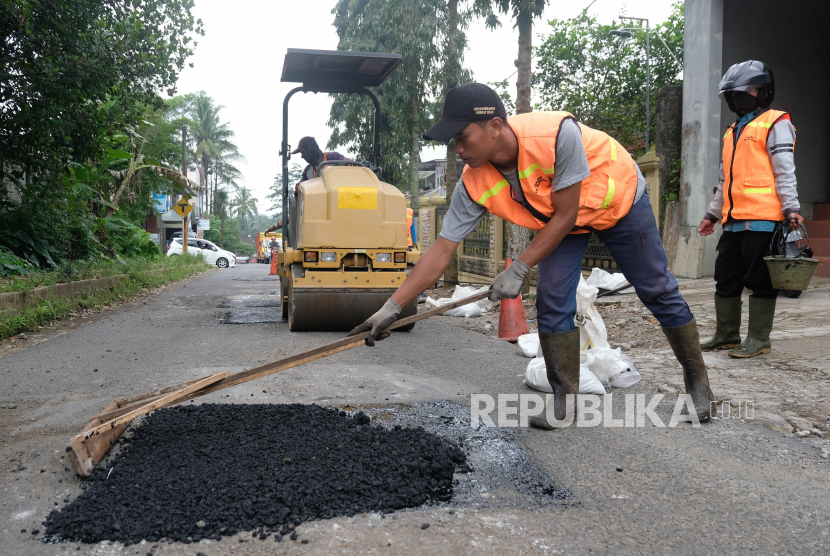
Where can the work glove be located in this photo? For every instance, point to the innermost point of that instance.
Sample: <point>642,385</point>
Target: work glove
<point>508,284</point>
<point>378,322</point>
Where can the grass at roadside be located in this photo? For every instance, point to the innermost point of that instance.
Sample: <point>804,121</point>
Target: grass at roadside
<point>85,270</point>
<point>144,275</point>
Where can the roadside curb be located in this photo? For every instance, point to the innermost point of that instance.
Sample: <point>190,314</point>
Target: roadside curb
<point>17,302</point>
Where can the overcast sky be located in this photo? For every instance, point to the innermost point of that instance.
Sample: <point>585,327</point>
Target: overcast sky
<point>239,60</point>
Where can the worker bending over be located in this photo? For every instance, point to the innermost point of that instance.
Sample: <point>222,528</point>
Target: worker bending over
<point>757,189</point>
<point>547,172</point>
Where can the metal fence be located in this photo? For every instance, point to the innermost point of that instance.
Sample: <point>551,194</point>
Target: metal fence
<point>477,242</point>
<point>597,255</point>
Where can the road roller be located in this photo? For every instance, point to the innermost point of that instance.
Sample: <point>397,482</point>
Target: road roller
<point>345,239</point>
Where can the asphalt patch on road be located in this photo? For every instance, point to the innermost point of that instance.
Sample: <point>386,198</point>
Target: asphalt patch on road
<point>204,472</point>
<point>495,455</point>
<point>253,315</point>
<point>250,303</point>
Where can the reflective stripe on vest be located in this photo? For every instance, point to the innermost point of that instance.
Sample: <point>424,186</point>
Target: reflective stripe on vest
<point>749,182</point>
<point>605,197</point>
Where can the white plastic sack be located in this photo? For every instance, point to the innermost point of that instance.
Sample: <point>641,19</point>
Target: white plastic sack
<point>608,281</point>
<point>611,367</point>
<point>537,378</point>
<point>467,311</point>
<point>529,345</point>
<point>592,332</point>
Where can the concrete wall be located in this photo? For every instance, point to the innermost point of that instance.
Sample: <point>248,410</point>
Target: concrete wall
<point>790,37</point>
<point>691,255</point>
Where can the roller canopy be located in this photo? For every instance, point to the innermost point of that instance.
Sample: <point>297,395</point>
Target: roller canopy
<point>332,71</point>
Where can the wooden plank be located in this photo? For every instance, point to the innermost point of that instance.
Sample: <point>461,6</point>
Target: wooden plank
<point>157,393</point>
<point>164,401</point>
<point>84,455</point>
<point>124,409</point>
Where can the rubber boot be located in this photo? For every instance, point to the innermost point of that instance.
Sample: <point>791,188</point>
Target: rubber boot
<point>685,343</point>
<point>728,332</point>
<point>561,351</point>
<point>761,315</point>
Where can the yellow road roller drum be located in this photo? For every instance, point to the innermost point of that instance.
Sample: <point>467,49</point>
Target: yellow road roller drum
<point>349,249</point>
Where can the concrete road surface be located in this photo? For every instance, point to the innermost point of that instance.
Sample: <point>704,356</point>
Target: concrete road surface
<point>727,487</point>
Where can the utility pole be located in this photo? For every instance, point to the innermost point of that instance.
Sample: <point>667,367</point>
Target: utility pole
<point>184,173</point>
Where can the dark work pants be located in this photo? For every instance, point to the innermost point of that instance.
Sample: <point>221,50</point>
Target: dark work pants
<point>740,264</point>
<point>636,246</point>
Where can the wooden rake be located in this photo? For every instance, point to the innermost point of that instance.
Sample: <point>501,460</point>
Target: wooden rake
<point>86,449</point>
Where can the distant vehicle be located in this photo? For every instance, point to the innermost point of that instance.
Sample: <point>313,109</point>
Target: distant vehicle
<point>263,249</point>
<point>211,253</point>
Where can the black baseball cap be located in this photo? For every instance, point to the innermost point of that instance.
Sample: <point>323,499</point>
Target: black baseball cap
<point>468,103</point>
<point>304,143</point>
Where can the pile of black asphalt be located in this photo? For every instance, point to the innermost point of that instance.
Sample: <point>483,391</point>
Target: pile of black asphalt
<point>208,471</point>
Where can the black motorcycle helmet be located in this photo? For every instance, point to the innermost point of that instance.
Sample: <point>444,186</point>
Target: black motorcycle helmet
<point>746,76</point>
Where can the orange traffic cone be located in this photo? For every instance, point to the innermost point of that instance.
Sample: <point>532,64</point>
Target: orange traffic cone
<point>512,320</point>
<point>274,255</point>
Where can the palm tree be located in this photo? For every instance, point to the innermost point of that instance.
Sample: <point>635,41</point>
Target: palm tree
<point>244,205</point>
<point>220,202</point>
<point>213,146</point>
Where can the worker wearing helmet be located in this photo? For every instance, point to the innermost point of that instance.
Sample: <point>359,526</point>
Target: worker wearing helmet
<point>545,171</point>
<point>311,153</point>
<point>757,189</point>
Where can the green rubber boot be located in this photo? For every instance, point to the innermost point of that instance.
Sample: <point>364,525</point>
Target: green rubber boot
<point>561,351</point>
<point>685,343</point>
<point>728,331</point>
<point>761,315</point>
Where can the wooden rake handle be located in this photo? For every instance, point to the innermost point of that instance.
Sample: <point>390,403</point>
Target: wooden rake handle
<point>281,364</point>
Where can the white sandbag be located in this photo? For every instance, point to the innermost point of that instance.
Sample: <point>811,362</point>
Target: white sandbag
<point>611,367</point>
<point>537,378</point>
<point>529,345</point>
<point>592,332</point>
<point>628,377</point>
<point>608,281</point>
<point>467,311</point>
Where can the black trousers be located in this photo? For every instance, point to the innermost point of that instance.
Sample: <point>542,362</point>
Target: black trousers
<point>740,264</point>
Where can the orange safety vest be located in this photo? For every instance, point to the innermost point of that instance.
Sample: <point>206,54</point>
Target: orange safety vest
<point>314,167</point>
<point>606,195</point>
<point>749,187</point>
<point>410,216</point>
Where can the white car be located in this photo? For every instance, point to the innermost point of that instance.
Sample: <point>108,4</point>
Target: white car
<point>211,253</point>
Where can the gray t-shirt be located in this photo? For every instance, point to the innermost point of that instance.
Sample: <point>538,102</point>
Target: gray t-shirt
<point>572,167</point>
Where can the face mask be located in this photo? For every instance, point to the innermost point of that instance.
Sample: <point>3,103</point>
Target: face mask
<point>744,102</point>
<point>312,155</point>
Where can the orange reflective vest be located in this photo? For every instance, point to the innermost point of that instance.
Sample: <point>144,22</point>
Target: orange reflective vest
<point>314,167</point>
<point>749,186</point>
<point>606,195</point>
<point>410,217</point>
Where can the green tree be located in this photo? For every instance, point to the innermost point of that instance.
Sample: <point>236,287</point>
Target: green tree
<point>73,70</point>
<point>402,27</point>
<point>600,78</point>
<point>244,206</point>
<point>295,176</point>
<point>213,148</point>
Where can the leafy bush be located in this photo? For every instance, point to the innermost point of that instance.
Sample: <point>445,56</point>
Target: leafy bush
<point>11,264</point>
<point>129,240</point>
